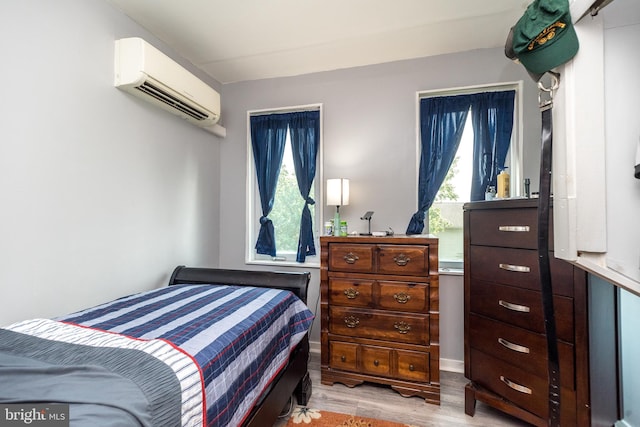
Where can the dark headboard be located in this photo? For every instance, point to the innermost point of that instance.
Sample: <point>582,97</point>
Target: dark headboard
<point>291,281</point>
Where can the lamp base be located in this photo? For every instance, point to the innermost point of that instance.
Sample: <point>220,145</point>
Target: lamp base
<point>336,224</point>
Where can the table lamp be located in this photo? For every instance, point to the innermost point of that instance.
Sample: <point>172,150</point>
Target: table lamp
<point>337,195</point>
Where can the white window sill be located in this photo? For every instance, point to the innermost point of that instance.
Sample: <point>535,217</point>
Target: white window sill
<point>284,263</point>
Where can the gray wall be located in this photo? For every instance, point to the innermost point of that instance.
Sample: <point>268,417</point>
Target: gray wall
<point>369,137</point>
<point>101,193</point>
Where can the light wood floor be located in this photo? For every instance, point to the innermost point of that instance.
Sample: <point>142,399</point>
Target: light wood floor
<point>368,400</point>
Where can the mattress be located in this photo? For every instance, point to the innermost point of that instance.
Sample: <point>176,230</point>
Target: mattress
<point>234,339</point>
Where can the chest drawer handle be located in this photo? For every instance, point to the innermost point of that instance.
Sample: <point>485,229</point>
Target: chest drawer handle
<point>402,298</point>
<point>412,368</point>
<point>351,321</point>
<point>401,260</point>
<point>350,258</point>
<point>514,228</point>
<point>515,386</point>
<point>516,268</point>
<point>512,346</point>
<point>402,327</point>
<point>514,307</point>
<point>351,293</point>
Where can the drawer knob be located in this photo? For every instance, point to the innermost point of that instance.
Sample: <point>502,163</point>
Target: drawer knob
<point>515,386</point>
<point>376,362</point>
<point>515,268</point>
<point>402,327</point>
<point>512,346</point>
<point>351,321</point>
<point>514,228</point>
<point>351,258</point>
<point>351,293</point>
<point>412,368</point>
<point>343,358</point>
<point>402,298</point>
<point>401,260</point>
<point>514,307</point>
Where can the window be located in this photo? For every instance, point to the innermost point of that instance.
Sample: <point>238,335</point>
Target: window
<point>273,137</point>
<point>445,216</point>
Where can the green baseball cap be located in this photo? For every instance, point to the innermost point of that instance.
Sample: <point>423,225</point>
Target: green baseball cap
<point>544,37</point>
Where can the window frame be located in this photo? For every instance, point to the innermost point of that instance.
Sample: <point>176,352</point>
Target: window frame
<point>253,207</point>
<point>514,156</point>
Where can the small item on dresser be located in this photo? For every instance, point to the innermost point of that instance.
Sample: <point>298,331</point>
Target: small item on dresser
<point>490,194</point>
<point>328,228</point>
<point>343,229</point>
<point>503,184</point>
<point>527,188</point>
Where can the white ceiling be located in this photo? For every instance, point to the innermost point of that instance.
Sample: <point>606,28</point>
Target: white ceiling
<point>236,40</point>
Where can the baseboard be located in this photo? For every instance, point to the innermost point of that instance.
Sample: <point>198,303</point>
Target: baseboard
<point>449,365</point>
<point>622,423</point>
<point>314,347</point>
<point>452,365</point>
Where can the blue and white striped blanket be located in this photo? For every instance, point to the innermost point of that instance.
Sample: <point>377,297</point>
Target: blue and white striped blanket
<point>239,337</point>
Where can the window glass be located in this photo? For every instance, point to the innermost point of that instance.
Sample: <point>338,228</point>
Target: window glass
<point>286,212</point>
<point>445,217</point>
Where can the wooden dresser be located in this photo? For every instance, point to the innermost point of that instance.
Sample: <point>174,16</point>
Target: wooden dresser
<point>505,343</point>
<point>380,313</point>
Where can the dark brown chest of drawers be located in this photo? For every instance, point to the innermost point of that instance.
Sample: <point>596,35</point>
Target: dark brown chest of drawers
<point>380,313</point>
<point>505,341</point>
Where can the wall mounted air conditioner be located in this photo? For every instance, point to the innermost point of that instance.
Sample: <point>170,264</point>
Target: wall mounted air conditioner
<point>144,71</point>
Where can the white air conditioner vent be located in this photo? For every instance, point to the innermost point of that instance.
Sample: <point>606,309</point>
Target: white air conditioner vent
<point>144,71</point>
<point>172,101</point>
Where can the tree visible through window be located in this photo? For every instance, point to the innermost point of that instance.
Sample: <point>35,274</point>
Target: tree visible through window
<point>287,206</point>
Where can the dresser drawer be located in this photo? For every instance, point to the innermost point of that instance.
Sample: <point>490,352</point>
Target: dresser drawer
<point>343,355</point>
<point>520,307</point>
<point>525,349</point>
<point>505,227</point>
<point>402,296</point>
<point>413,365</point>
<point>380,361</point>
<point>518,267</point>
<point>376,324</point>
<point>526,390</point>
<point>352,292</point>
<point>351,258</point>
<point>376,360</point>
<point>407,260</point>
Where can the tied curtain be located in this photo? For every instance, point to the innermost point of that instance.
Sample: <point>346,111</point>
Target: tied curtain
<point>268,138</point>
<point>304,127</point>
<point>442,121</point>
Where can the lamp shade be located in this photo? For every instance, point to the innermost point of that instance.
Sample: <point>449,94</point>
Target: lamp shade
<point>337,192</point>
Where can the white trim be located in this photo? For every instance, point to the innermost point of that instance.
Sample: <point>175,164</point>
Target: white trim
<point>251,185</point>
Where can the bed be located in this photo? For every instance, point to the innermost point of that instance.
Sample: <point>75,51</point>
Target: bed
<point>214,348</point>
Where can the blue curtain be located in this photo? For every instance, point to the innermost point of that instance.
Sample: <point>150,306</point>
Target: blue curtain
<point>492,118</point>
<point>441,125</point>
<point>268,137</point>
<point>304,128</point>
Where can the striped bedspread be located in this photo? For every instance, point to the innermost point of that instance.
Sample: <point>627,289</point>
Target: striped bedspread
<point>239,337</point>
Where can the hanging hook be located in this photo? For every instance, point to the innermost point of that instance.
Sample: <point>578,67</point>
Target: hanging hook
<point>547,103</point>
